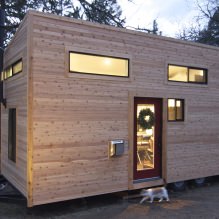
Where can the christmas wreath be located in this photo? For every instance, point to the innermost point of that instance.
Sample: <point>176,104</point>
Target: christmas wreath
<point>146,119</point>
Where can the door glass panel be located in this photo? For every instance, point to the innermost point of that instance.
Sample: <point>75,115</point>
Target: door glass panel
<point>145,136</point>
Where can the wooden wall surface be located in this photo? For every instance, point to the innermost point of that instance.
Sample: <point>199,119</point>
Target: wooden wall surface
<point>74,116</point>
<point>15,92</point>
<point>73,119</point>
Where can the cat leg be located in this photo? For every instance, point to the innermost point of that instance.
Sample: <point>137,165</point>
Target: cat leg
<point>161,199</point>
<point>143,199</point>
<point>152,199</point>
<point>167,198</point>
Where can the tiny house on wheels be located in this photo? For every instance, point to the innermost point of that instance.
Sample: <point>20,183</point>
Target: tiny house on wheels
<point>91,109</point>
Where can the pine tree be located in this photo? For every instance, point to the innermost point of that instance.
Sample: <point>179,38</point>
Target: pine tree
<point>101,11</point>
<point>209,10</point>
<point>105,12</point>
<point>59,7</point>
<point>15,12</point>
<point>210,35</point>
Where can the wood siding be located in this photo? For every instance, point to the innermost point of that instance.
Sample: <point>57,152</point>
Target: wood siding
<point>71,117</point>
<point>75,116</point>
<point>71,125</point>
<point>15,92</point>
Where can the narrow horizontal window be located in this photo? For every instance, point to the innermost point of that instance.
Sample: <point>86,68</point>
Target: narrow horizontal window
<point>100,65</point>
<point>13,69</point>
<point>12,134</point>
<point>175,110</point>
<point>187,74</point>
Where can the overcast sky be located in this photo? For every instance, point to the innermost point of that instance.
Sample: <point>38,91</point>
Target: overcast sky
<point>171,15</point>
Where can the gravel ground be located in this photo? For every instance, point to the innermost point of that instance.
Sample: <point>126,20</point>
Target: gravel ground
<point>192,203</point>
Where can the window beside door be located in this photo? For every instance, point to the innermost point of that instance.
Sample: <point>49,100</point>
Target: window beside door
<point>175,110</point>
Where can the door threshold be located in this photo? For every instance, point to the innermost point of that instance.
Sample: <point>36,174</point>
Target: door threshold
<point>146,183</point>
<point>145,180</point>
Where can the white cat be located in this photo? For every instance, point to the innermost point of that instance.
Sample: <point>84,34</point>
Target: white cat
<point>159,192</point>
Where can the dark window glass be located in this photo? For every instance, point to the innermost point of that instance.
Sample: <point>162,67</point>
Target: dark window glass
<point>12,135</point>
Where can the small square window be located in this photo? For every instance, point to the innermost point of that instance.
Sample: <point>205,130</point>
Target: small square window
<point>175,110</point>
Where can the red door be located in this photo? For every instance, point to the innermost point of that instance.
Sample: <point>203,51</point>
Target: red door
<point>147,137</point>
